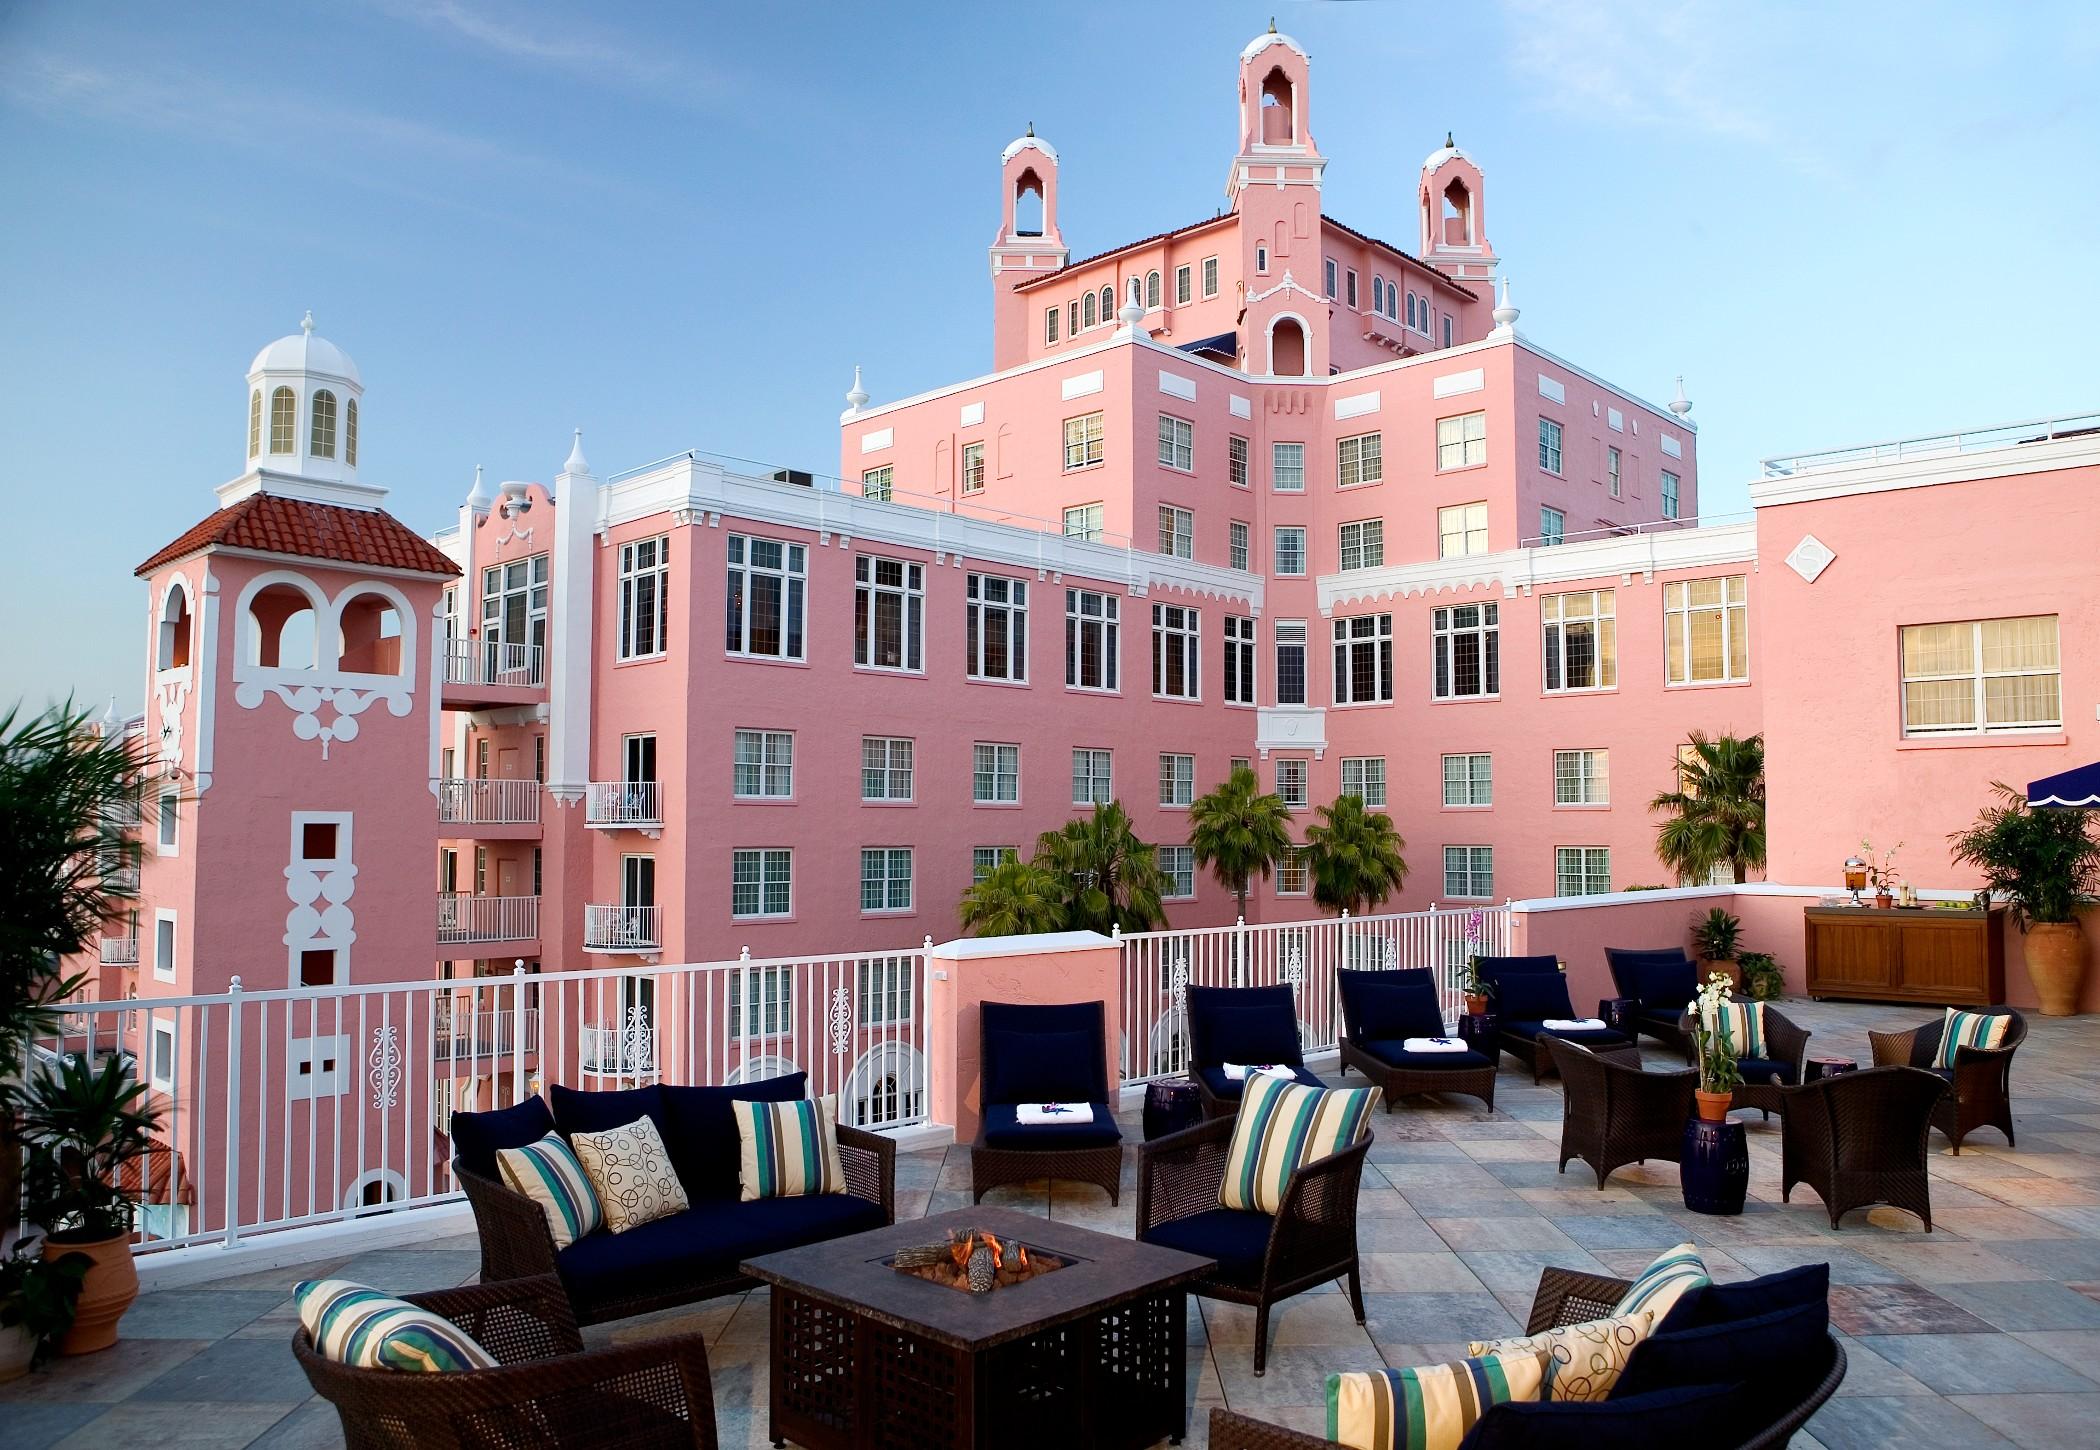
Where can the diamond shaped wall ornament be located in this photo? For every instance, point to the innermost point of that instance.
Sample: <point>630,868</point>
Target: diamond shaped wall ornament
<point>1810,557</point>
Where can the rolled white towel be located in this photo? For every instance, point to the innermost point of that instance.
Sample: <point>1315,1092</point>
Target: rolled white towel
<point>1574,1024</point>
<point>1237,1072</point>
<point>1036,1115</point>
<point>1433,1044</point>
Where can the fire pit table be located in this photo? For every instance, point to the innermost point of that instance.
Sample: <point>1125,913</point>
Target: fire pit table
<point>1091,1354</point>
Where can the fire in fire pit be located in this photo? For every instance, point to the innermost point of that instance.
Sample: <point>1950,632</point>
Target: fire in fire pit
<point>975,1260</point>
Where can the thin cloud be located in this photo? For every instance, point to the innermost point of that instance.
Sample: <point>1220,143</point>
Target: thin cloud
<point>1679,66</point>
<point>595,56</point>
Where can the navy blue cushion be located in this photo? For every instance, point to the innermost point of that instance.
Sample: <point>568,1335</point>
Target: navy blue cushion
<point>1775,1350</point>
<point>1205,1003</point>
<point>579,1111</point>
<point>1660,979</point>
<point>1707,1413</point>
<point>1224,1087</point>
<point>1758,1070</point>
<point>477,1136</point>
<point>1030,1020</point>
<point>1037,1067</point>
<point>700,1130</point>
<point>708,1240</point>
<point>1500,966</point>
<point>1530,996</point>
<point>1252,1036</point>
<point>1748,1299</point>
<point>1670,1017</point>
<point>1395,1009</point>
<point>1390,1052</point>
<point>1237,1238</point>
<point>1596,1038</point>
<point>1003,1129</point>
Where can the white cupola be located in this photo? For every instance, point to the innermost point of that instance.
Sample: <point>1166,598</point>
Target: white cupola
<point>304,401</point>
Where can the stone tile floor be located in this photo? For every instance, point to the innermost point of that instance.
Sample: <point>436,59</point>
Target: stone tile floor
<point>1984,1332</point>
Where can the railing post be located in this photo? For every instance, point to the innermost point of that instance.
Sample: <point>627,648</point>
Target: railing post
<point>233,1112</point>
<point>517,1040</point>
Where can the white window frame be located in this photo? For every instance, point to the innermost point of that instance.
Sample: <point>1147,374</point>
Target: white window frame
<point>165,963</point>
<point>1184,284</point>
<point>1461,442</point>
<point>1178,865</point>
<point>1261,259</point>
<point>1672,486</point>
<point>879,484</point>
<point>1089,518</point>
<point>1239,544</point>
<point>1473,775</point>
<point>1552,458</point>
<point>1103,625</point>
<point>1210,277</point>
<point>1359,460</point>
<point>1084,441</point>
<point>1362,544</point>
<point>888,762</point>
<point>161,1082</point>
<point>644,585</point>
<point>1177,443</point>
<point>1294,873</point>
<point>1294,782</point>
<point>1292,636</point>
<point>1445,632</point>
<point>1177,637</point>
<point>1462,530</point>
<point>984,860</point>
<point>1331,274</point>
<point>1177,531</point>
<point>1557,614</point>
<point>1094,767</point>
<point>1553,526</point>
<point>776,867</point>
<point>774,762</point>
<point>1239,465</point>
<point>907,592</point>
<point>1177,781</point>
<point>1581,778</point>
<point>167,822</point>
<point>1050,321</point>
<point>995,767</point>
<point>1355,632</point>
<point>979,610</point>
<point>1286,545</point>
<point>973,467</point>
<point>1585,862</point>
<point>1240,649</point>
<point>793,574</point>
<point>886,860</point>
<point>1678,617</point>
<point>1468,874</point>
<point>1980,679</point>
<point>1287,467</point>
<point>1363,776</point>
<point>1614,468</point>
<point>1351,290</point>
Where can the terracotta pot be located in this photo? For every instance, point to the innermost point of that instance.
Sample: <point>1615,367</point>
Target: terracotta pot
<point>1476,1006</point>
<point>2056,965</point>
<point>112,1283</point>
<point>17,1348</point>
<point>1713,1106</point>
<point>1884,899</point>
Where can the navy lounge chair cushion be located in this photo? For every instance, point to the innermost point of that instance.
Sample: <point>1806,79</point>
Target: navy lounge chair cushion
<point>1039,1067</point>
<point>1748,1298</point>
<point>1661,980</point>
<point>1224,1087</point>
<point>1251,1036</point>
<point>1670,1017</point>
<point>702,1137</point>
<point>1390,1004</point>
<point>1390,1052</point>
<point>1773,1351</point>
<point>1597,1039</point>
<point>1003,1129</point>
<point>1237,1238</point>
<point>706,1240</point>
<point>1501,966</point>
<point>1702,1414</point>
<point>1532,996</point>
<point>476,1137</point>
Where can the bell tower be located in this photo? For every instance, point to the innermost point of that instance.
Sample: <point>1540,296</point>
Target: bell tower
<point>1028,245</point>
<point>1454,227</point>
<point>1275,189</point>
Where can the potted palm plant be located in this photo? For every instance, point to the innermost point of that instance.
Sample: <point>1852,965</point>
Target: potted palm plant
<point>2046,864</point>
<point>37,1296</point>
<point>1716,938</point>
<point>1719,1073</point>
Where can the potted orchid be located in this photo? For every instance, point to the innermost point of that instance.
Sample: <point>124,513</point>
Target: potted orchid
<point>1714,1038</point>
<point>1881,871</point>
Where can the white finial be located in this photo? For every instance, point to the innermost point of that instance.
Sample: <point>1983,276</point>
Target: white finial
<point>577,464</point>
<point>856,396</point>
<point>1505,315</point>
<point>1681,405</point>
<point>306,323</point>
<point>479,498</point>
<point>1134,308</point>
<point>110,719</point>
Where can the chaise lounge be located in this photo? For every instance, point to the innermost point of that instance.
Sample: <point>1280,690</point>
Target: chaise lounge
<point>1658,983</point>
<point>1245,1027</point>
<point>1045,1054</point>
<point>1380,1011</point>
<point>1528,993</point>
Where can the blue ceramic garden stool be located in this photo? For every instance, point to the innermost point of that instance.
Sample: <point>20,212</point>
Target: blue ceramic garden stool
<point>1714,1166</point>
<point>1170,1107</point>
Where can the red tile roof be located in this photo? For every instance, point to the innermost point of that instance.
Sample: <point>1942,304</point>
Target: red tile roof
<point>267,524</point>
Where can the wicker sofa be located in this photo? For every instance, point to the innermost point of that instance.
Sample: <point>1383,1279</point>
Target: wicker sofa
<point>1244,1026</point>
<point>675,1260</point>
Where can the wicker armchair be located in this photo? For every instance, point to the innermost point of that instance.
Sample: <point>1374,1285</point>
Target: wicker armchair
<point>1567,1297</point>
<point>1021,1050</point>
<point>1242,1025</point>
<point>1782,1066</point>
<point>1980,1081</point>
<point>1659,982</point>
<point>1310,1240</point>
<point>547,1389</point>
<point>1613,1114</point>
<point>1859,1139</point>
<point>1380,1011</point>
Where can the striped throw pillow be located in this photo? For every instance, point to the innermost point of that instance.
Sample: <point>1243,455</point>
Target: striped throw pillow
<point>353,1325</point>
<point>1430,1408</point>
<point>1283,1126</point>
<point>1744,1023</point>
<point>1970,1029</point>
<point>1675,1273</point>
<point>789,1149</point>
<point>547,1173</point>
<point>1583,1360</point>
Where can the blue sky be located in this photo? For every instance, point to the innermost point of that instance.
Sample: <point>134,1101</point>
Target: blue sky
<point>679,227</point>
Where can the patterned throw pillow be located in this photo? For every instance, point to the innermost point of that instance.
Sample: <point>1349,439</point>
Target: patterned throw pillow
<point>1430,1408</point>
<point>631,1173</point>
<point>1675,1273</point>
<point>1584,1360</point>
<point>1283,1126</point>
<point>547,1173</point>
<point>353,1325</point>
<point>1970,1029</point>
<point>789,1149</point>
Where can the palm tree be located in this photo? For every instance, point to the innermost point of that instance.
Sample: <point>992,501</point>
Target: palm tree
<point>1354,856</point>
<point>1717,812</point>
<point>1016,898</point>
<point>1237,830</point>
<point>1107,877</point>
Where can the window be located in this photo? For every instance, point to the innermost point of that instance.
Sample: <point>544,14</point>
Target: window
<point>1087,315</point>
<point>1287,467</point>
<point>1177,443</point>
<point>1091,645</point>
<point>885,768</point>
<point>878,483</point>
<point>1177,780</point>
<point>765,764</point>
<point>160,1065</point>
<point>168,818</point>
<point>1706,631</point>
<point>885,878</point>
<point>1289,550</point>
<point>984,860</point>
<point>761,883</point>
<point>1239,660</point>
<point>1359,460</point>
<point>1082,441</point>
<point>1177,532</point>
<point>255,423</point>
<point>1092,781</point>
<point>1581,641</point>
<point>1175,651</point>
<point>1553,527</point>
<point>645,572</point>
<point>1178,865</point>
<point>1083,521</point>
<point>1241,762</point>
<point>1210,276</point>
<point>1236,544</point>
<point>973,468</point>
<point>1072,319</point>
<point>1581,870</point>
<point>1290,661</point>
<point>1363,544</point>
<point>885,993</point>
<point>889,608</point>
<point>1237,472</point>
<point>995,779</point>
<point>1981,676</point>
<point>1108,305</point>
<point>1466,651</point>
<point>1581,778</point>
<point>1469,871</point>
<point>1462,529</point>
<point>1363,776</point>
<point>1378,295</point>
<point>1152,291</point>
<point>1469,780</point>
<point>1549,445</point>
<point>1333,275</point>
<point>322,433</point>
<point>1050,318</point>
<point>1181,286</point>
<point>284,421</point>
<point>1349,289</point>
<point>1447,329</point>
<point>1293,783</point>
<point>1461,442</point>
<point>1611,469</point>
<point>638,884</point>
<point>1669,490</point>
<point>164,945</point>
<point>761,1001</point>
<point>514,619</point>
<point>1293,877</point>
<point>766,583</point>
<point>1261,257</point>
<point>996,628</point>
<point>1363,660</point>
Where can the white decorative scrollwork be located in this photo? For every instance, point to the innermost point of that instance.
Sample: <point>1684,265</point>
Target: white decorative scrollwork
<point>841,1019</point>
<point>1392,954</point>
<point>1294,973</point>
<point>1178,985</point>
<point>307,701</point>
<point>385,1063</point>
<point>171,695</point>
<point>637,1043</point>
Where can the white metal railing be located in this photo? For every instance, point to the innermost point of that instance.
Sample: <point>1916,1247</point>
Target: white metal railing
<point>1645,526</point>
<point>308,1105</point>
<point>493,662</point>
<point>1304,955</point>
<point>120,951</point>
<point>622,803</point>
<point>489,802</point>
<point>2000,435</point>
<point>464,918</point>
<point>622,928</point>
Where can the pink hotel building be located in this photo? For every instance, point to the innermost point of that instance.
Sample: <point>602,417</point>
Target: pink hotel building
<point>1263,488</point>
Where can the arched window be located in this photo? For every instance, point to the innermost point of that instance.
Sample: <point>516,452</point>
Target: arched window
<point>281,629</point>
<point>1277,123</point>
<point>1458,215</point>
<point>324,425</point>
<point>1378,295</point>
<point>255,422</point>
<point>1151,290</point>
<point>1086,310</point>
<point>1287,350</point>
<point>1028,204</point>
<point>173,652</point>
<point>1261,257</point>
<point>370,640</point>
<point>284,421</point>
<point>350,431</point>
<point>1410,309</point>
<point>1108,304</point>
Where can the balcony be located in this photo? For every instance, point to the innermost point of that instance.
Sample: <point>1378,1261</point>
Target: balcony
<point>120,951</point>
<point>481,674</point>
<point>489,803</point>
<point>622,928</point>
<point>464,920</point>
<point>624,805</point>
<point>463,1033</point>
<point>605,1051</point>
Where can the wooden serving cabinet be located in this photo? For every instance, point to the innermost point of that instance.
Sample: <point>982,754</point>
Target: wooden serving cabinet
<point>1906,954</point>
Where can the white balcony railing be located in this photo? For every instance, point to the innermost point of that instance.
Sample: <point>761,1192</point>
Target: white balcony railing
<point>492,662</point>
<point>120,951</point>
<point>489,802</point>
<point>465,1032</point>
<point>464,919</point>
<point>1936,445</point>
<point>623,803</point>
<point>622,928</point>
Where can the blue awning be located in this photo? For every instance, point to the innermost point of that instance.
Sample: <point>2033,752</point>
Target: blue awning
<point>1225,345</point>
<point>2080,787</point>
